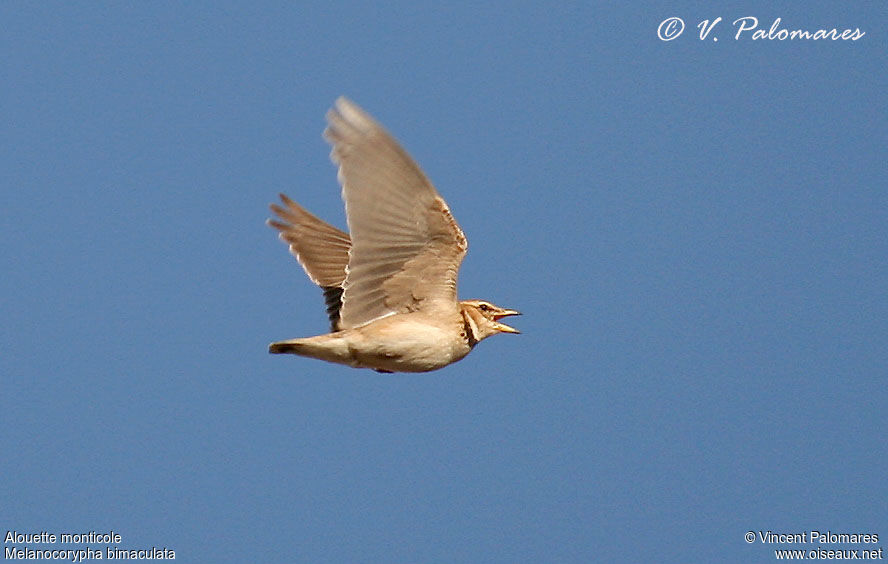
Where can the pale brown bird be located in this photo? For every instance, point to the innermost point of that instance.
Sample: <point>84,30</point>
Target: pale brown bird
<point>390,285</point>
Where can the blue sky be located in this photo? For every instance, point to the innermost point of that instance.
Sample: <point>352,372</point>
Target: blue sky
<point>696,233</point>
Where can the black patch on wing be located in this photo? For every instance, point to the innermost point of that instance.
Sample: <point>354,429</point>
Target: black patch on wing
<point>333,299</point>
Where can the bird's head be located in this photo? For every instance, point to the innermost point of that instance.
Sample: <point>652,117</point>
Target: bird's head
<point>483,318</point>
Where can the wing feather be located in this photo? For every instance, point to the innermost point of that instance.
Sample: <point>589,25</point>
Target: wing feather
<point>406,247</point>
<point>320,248</point>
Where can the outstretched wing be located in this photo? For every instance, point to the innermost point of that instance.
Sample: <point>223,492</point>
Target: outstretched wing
<point>406,247</point>
<point>320,248</point>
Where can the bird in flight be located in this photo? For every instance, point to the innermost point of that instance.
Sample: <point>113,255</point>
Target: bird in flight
<point>389,284</point>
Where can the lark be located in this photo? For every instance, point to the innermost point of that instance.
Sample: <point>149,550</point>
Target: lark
<point>390,283</point>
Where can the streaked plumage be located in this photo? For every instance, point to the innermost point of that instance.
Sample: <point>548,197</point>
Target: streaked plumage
<point>389,284</point>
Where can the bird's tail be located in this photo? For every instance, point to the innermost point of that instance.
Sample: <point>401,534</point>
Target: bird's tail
<point>292,346</point>
<point>331,347</point>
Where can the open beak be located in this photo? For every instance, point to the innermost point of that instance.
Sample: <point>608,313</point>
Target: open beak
<point>502,326</point>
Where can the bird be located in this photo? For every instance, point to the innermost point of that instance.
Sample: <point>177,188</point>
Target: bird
<point>390,284</point>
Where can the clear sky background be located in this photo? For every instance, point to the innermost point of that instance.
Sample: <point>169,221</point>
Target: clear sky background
<point>696,232</point>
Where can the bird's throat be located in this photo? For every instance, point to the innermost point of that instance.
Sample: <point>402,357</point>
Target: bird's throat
<point>470,327</point>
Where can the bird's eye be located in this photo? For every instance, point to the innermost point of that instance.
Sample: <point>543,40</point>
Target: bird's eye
<point>485,307</point>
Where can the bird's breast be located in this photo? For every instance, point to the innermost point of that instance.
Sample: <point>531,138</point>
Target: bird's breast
<point>408,343</point>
